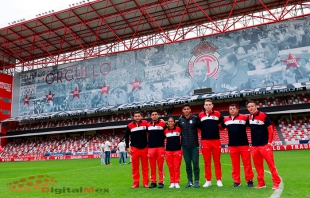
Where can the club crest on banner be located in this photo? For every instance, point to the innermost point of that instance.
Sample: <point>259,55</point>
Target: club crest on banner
<point>204,59</point>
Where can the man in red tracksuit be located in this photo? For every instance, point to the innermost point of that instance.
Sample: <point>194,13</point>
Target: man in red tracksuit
<point>238,145</point>
<point>262,136</point>
<point>137,131</point>
<point>156,149</point>
<point>210,142</point>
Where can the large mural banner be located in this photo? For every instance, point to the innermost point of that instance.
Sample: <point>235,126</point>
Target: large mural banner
<point>263,56</point>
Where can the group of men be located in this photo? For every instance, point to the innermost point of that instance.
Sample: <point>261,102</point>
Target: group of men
<point>147,145</point>
<point>105,149</point>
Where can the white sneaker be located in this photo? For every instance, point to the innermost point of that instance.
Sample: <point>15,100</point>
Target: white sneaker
<point>172,185</point>
<point>219,183</point>
<point>177,185</point>
<point>207,184</point>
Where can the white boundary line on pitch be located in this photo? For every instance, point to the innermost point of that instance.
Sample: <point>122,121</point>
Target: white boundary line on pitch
<point>277,193</point>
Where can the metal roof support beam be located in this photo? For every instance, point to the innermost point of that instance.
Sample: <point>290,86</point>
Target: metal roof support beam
<point>61,44</point>
<point>73,36</point>
<point>179,25</point>
<point>98,31</point>
<point>121,14</point>
<point>13,52</point>
<point>213,22</point>
<point>102,19</point>
<point>7,43</point>
<point>33,46</point>
<point>135,32</point>
<point>45,49</point>
<point>230,13</point>
<point>162,31</point>
<point>142,25</point>
<point>266,8</point>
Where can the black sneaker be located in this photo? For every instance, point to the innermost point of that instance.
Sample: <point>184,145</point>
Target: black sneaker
<point>160,185</point>
<point>237,185</point>
<point>189,184</point>
<point>197,184</point>
<point>250,184</point>
<point>153,185</point>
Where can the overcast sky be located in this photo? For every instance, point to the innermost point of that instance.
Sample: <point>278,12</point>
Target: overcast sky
<point>13,10</point>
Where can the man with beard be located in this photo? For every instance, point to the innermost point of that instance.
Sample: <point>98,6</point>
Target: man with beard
<point>137,130</point>
<point>232,77</point>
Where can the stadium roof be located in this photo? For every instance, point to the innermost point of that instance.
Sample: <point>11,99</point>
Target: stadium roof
<point>102,27</point>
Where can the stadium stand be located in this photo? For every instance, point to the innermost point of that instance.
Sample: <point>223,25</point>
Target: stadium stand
<point>77,142</point>
<point>113,117</point>
<point>297,128</point>
<point>59,143</point>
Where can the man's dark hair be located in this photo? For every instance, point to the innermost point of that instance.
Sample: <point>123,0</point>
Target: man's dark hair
<point>251,101</point>
<point>137,112</point>
<point>186,105</point>
<point>154,111</point>
<point>234,105</point>
<point>231,58</point>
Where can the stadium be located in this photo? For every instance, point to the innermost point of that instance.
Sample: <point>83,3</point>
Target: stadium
<point>73,78</point>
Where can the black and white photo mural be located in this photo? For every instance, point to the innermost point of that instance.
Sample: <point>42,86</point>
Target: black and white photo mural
<point>268,55</point>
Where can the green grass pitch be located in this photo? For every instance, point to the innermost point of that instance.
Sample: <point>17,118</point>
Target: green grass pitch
<point>87,178</point>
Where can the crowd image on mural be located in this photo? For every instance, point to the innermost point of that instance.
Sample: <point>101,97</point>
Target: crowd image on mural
<point>268,55</point>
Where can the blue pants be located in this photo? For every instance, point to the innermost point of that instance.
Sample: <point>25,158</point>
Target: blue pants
<point>107,157</point>
<point>102,158</point>
<point>122,155</point>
